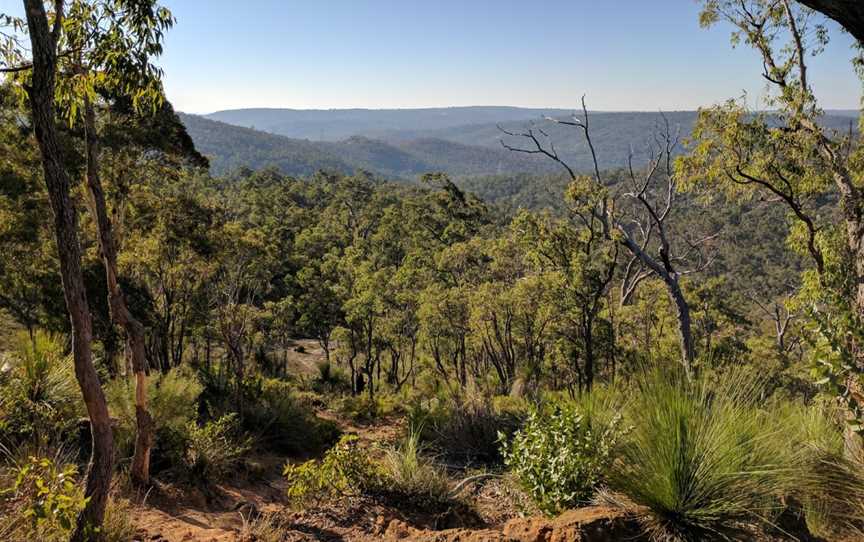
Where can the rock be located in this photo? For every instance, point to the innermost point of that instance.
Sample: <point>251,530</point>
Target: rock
<point>591,524</point>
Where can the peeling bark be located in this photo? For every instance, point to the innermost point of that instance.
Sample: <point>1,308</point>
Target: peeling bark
<point>121,316</point>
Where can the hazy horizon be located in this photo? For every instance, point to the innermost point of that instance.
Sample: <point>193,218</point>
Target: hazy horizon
<point>577,108</point>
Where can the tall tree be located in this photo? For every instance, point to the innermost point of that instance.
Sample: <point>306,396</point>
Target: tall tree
<point>789,157</point>
<point>112,44</point>
<point>45,36</point>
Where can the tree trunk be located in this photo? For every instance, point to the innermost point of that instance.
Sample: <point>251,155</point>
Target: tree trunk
<point>41,95</point>
<point>685,333</point>
<point>120,314</point>
<point>849,13</point>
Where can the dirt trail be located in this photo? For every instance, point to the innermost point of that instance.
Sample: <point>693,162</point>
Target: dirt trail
<point>171,513</point>
<point>179,514</point>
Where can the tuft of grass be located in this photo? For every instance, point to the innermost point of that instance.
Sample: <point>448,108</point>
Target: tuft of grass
<point>118,526</point>
<point>830,484</point>
<point>173,404</point>
<point>412,475</point>
<point>466,430</point>
<point>264,528</point>
<point>215,448</point>
<point>703,459</point>
<point>39,399</point>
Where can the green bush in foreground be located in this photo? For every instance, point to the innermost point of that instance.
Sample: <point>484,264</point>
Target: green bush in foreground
<point>345,469</point>
<point>215,448</point>
<point>703,460</point>
<point>43,500</point>
<point>46,499</point>
<point>405,475</point>
<point>561,457</point>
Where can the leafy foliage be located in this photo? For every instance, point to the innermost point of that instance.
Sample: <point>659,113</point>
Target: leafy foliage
<point>216,448</point>
<point>344,469</point>
<point>48,498</point>
<point>561,457</point>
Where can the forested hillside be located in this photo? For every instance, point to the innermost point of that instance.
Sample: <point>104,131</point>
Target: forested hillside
<point>231,147</point>
<point>339,124</point>
<point>455,324</point>
<point>457,148</point>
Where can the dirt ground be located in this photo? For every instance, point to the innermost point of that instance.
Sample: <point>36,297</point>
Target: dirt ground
<point>225,511</point>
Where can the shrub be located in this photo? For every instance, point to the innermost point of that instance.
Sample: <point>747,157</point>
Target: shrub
<point>42,502</point>
<point>39,398</point>
<point>703,459</point>
<point>467,431</point>
<point>362,409</point>
<point>410,476</point>
<point>561,457</point>
<point>215,448</point>
<point>173,405</point>
<point>404,476</point>
<point>344,469</point>
<point>331,379</point>
<point>829,485</point>
<point>285,422</point>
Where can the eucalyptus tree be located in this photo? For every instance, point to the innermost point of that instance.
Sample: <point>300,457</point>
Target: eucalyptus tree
<point>38,77</point>
<point>77,49</point>
<point>580,264</point>
<point>787,156</point>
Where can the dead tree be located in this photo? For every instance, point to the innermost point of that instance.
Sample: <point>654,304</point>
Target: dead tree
<point>637,218</point>
<point>121,316</point>
<point>782,317</point>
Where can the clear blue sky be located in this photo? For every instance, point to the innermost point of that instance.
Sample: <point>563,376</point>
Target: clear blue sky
<point>624,54</point>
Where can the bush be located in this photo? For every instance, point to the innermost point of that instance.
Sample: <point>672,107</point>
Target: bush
<point>404,476</point>
<point>411,477</point>
<point>42,502</point>
<point>344,469</point>
<point>703,459</point>
<point>331,379</point>
<point>829,485</point>
<point>284,421</point>
<point>362,409</point>
<point>215,448</point>
<point>561,457</point>
<point>173,405</point>
<point>39,399</point>
<point>467,431</point>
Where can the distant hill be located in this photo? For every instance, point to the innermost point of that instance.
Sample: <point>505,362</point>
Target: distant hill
<point>403,143</point>
<point>340,124</point>
<point>229,147</point>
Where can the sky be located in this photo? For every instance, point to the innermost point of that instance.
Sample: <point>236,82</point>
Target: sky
<point>633,55</point>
